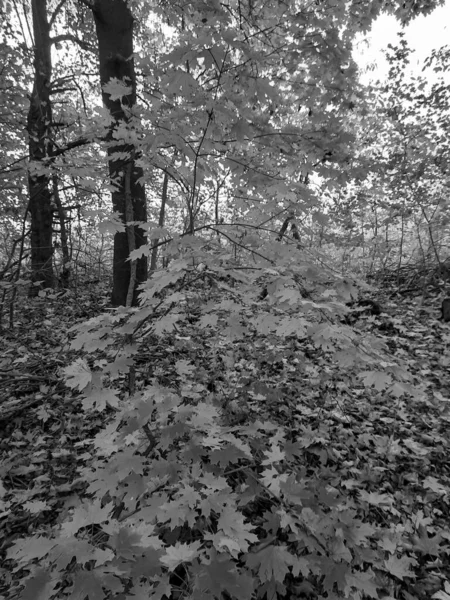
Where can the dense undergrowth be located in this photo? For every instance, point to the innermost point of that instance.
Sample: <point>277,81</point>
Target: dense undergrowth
<point>214,444</point>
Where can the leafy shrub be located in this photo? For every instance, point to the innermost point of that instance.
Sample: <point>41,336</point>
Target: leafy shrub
<point>193,494</point>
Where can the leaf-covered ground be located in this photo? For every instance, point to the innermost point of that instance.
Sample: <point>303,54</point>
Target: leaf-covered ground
<point>324,481</point>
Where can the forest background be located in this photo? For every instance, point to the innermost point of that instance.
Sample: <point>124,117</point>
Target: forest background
<point>258,403</point>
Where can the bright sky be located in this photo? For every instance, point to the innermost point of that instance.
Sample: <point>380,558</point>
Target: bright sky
<point>423,35</point>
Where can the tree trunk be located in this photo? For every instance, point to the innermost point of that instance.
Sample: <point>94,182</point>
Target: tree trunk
<point>65,271</point>
<point>39,144</point>
<point>162,216</point>
<point>114,25</point>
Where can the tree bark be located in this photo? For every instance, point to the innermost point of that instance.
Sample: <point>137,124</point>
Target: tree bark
<point>114,25</point>
<point>39,145</point>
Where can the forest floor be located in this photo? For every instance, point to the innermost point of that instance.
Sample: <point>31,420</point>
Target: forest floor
<point>393,452</point>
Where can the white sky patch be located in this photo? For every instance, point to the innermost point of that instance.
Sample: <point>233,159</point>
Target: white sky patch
<point>422,35</point>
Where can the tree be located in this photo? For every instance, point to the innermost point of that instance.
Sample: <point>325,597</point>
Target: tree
<point>51,142</point>
<point>40,149</point>
<point>392,213</point>
<point>213,76</point>
<point>47,149</point>
<point>114,26</point>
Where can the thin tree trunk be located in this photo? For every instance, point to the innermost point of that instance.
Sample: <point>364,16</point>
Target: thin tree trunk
<point>39,144</point>
<point>65,272</point>
<point>162,216</point>
<point>114,25</point>
<point>129,217</point>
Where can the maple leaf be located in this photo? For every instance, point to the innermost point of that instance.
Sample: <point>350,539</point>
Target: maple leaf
<point>180,82</point>
<point>210,320</point>
<point>362,581</point>
<point>227,455</point>
<point>144,564</point>
<point>40,586</point>
<point>78,374</point>
<point>379,380</point>
<point>117,89</point>
<point>336,576</point>
<point>339,551</point>
<point>431,483</point>
<point>234,329</point>
<point>180,553</point>
<point>264,324</point>
<point>184,367</point>
<point>400,567</point>
<point>224,543</point>
<point>218,575</point>
<point>233,525</point>
<point>99,399</point>
<point>182,508</point>
<point>125,542</point>
<point>144,250</point>
<point>149,591</point>
<point>35,506</point>
<point>275,454</point>
<point>296,492</point>
<point>357,533</point>
<point>428,545</point>
<point>272,590</point>
<point>87,583</point>
<point>289,295</point>
<point>376,499</point>
<point>270,563</point>
<point>120,365</point>
<point>69,547</point>
<point>25,550</point>
<point>417,448</point>
<point>112,224</point>
<point>167,323</point>
<point>240,130</point>
<point>87,514</point>
<point>214,502</point>
<point>213,482</point>
<point>273,480</point>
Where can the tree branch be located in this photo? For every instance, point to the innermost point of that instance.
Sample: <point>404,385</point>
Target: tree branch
<point>68,37</point>
<point>56,12</point>
<point>70,146</point>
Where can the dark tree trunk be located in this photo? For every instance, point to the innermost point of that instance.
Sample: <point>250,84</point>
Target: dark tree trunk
<point>39,143</point>
<point>114,25</point>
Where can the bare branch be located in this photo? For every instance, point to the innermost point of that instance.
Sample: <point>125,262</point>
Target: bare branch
<point>61,90</point>
<point>68,37</point>
<point>70,146</point>
<point>56,12</point>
